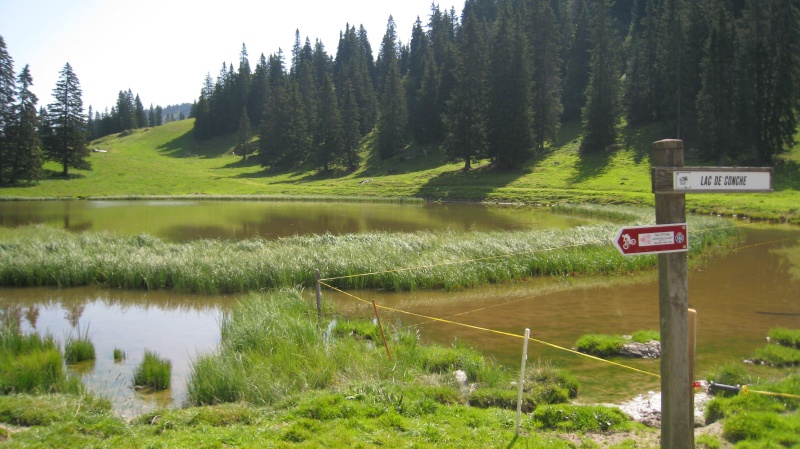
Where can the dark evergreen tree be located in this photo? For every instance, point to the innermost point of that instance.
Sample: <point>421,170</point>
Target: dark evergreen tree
<point>26,147</point>
<point>770,72</point>
<point>327,138</point>
<point>159,116</point>
<point>7,99</point>
<point>66,144</point>
<point>141,117</point>
<point>642,92</point>
<point>441,81</point>
<point>351,134</point>
<point>509,113</point>
<point>576,72</point>
<point>546,87</point>
<point>354,64</point>
<point>466,118</point>
<point>151,115</point>
<point>393,110</point>
<point>244,135</point>
<point>601,114</point>
<point>717,101</point>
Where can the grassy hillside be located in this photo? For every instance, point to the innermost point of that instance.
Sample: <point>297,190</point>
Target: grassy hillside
<point>167,160</point>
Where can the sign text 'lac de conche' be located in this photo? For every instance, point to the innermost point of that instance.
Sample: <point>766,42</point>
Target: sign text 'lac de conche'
<point>711,179</point>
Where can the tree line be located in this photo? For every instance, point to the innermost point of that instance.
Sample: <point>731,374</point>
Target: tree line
<point>498,81</point>
<point>59,132</point>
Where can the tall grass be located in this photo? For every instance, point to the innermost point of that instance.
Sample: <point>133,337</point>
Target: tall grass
<point>79,348</point>
<point>153,372</point>
<point>37,256</point>
<point>272,348</point>
<point>30,363</point>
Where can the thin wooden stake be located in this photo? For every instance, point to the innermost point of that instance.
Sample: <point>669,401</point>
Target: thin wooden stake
<point>692,347</point>
<point>522,376</point>
<point>319,294</point>
<point>378,317</point>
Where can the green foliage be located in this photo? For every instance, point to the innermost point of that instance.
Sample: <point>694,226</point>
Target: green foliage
<point>79,348</point>
<point>119,355</point>
<point>729,374</point>
<point>577,418</point>
<point>785,337</point>
<point>153,372</point>
<point>646,336</point>
<point>32,364</point>
<point>776,355</point>
<point>707,442</point>
<point>743,404</point>
<point>600,345</point>
<point>501,398</point>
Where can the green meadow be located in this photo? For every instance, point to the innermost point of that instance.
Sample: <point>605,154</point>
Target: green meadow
<point>167,160</point>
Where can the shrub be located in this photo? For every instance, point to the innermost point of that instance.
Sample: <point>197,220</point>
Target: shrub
<point>600,345</point>
<point>154,372</point>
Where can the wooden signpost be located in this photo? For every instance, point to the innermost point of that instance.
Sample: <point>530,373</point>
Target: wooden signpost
<point>671,181</point>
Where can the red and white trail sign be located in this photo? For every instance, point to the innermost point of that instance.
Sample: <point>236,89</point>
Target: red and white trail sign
<point>668,238</point>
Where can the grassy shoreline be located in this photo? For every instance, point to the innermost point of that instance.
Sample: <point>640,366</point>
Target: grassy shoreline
<point>167,162</point>
<point>39,256</point>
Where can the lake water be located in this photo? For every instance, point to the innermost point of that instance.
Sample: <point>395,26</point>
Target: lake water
<point>739,297</point>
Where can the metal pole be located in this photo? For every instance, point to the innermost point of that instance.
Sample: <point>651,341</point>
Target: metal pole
<point>522,376</point>
<point>677,407</point>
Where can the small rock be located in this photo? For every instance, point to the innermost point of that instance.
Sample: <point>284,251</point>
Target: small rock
<point>649,350</point>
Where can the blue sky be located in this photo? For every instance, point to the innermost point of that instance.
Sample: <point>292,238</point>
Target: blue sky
<point>162,49</point>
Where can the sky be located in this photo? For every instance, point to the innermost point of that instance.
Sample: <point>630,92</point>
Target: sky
<point>163,49</point>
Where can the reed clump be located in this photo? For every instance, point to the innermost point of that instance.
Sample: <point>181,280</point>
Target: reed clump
<point>78,349</point>
<point>153,372</point>
<point>30,363</point>
<point>38,256</point>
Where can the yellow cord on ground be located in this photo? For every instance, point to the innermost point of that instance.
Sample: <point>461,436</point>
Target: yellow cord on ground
<point>508,334</point>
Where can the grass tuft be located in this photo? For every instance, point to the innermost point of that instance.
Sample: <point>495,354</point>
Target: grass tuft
<point>154,372</point>
<point>78,349</point>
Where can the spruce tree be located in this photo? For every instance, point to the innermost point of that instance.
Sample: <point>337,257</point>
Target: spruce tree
<point>327,139</point>
<point>601,114</point>
<point>717,101</point>
<point>244,135</point>
<point>509,113</point>
<point>351,135</point>
<point>393,115</point>
<point>7,99</point>
<point>466,118</point>
<point>546,87</point>
<point>576,72</point>
<point>66,143</point>
<point>26,147</point>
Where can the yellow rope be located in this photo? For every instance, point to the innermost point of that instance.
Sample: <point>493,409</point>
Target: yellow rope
<point>441,320</point>
<point>747,390</point>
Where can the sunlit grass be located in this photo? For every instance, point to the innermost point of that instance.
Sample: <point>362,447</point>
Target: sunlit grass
<point>38,256</point>
<point>153,372</point>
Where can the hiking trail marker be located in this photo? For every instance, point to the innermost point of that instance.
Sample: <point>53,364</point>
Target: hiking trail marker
<point>669,238</point>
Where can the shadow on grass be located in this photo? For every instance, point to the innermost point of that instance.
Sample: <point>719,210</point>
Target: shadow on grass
<point>186,145</point>
<point>786,176</point>
<point>475,184</point>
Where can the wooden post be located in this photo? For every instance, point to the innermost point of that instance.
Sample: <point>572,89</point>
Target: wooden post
<point>677,407</point>
<point>319,294</point>
<point>383,335</point>
<point>522,377</point>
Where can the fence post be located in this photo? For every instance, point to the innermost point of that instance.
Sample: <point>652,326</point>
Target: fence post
<point>319,294</point>
<point>677,407</point>
<point>522,376</point>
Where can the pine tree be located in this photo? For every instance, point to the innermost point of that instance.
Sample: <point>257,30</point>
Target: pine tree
<point>66,144</point>
<point>351,135</point>
<point>717,101</point>
<point>141,117</point>
<point>509,114</point>
<point>7,99</point>
<point>26,156</point>
<point>465,122</point>
<point>601,114</point>
<point>393,115</point>
<point>641,94</point>
<point>546,87</point>
<point>244,135</point>
<point>327,139</point>
<point>576,72</point>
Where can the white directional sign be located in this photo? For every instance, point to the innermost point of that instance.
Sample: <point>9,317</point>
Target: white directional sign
<point>711,180</point>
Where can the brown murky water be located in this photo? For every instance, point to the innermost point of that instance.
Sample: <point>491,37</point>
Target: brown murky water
<point>739,297</point>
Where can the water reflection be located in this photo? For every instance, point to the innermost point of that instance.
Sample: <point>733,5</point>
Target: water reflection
<point>176,326</point>
<point>189,220</point>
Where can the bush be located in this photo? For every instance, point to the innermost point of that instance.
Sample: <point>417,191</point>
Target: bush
<point>600,345</point>
<point>785,337</point>
<point>578,418</point>
<point>154,372</point>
